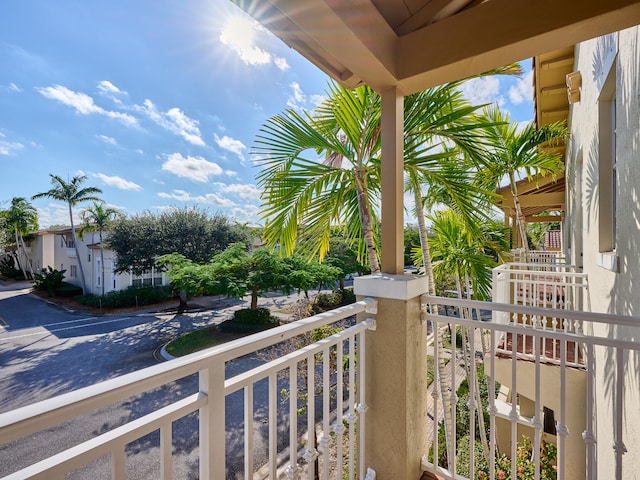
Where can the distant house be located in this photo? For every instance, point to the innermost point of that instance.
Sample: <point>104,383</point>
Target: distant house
<point>54,248</point>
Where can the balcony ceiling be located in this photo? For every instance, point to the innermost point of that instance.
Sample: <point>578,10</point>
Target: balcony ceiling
<point>416,44</point>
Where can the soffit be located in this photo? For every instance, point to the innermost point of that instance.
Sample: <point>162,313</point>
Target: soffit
<point>416,44</point>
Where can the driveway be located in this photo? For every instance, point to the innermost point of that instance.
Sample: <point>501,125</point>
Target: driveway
<point>46,351</point>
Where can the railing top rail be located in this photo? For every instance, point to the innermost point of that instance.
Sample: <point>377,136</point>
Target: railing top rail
<point>44,414</point>
<point>602,318</point>
<point>522,266</point>
<point>530,331</point>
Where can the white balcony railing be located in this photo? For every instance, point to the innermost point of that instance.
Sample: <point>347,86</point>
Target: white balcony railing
<point>533,382</point>
<point>331,374</point>
<point>544,285</point>
<point>71,252</point>
<point>538,256</point>
<point>338,361</point>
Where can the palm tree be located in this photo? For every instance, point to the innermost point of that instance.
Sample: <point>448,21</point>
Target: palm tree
<point>22,218</point>
<point>459,251</point>
<point>98,217</point>
<point>516,150</point>
<point>336,185</point>
<point>72,194</point>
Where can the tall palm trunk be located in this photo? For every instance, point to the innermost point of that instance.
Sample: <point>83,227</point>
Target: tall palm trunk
<point>75,246</point>
<point>447,413</point>
<point>19,256</point>
<point>520,220</point>
<point>364,210</point>
<point>101,263</point>
<point>26,257</point>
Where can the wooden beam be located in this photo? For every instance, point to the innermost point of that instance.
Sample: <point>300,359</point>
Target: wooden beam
<point>536,200</point>
<point>392,131</point>
<point>543,218</point>
<point>494,34</point>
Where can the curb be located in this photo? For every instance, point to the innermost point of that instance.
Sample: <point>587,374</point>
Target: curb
<point>166,356</point>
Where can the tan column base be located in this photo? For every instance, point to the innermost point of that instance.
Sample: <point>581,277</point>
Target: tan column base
<point>396,383</point>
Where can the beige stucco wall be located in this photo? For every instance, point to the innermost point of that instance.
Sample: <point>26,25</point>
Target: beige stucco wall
<point>618,291</point>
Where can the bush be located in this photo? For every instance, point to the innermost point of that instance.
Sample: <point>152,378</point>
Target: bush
<point>259,316</point>
<point>337,298</point>
<point>68,290</point>
<point>250,321</point>
<point>131,297</point>
<point>8,268</point>
<point>50,280</point>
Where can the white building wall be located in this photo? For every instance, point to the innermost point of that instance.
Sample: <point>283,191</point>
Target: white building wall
<point>614,272</point>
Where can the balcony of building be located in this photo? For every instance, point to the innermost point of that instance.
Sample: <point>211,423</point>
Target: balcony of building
<point>366,395</point>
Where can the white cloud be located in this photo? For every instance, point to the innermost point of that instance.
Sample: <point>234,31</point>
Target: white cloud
<point>317,99</point>
<point>139,151</point>
<point>246,213</point>
<point>174,120</point>
<point>106,87</point>
<point>231,173</point>
<point>118,182</point>
<point>209,198</point>
<point>281,63</point>
<point>105,139</point>
<point>56,214</point>
<point>482,90</point>
<point>244,190</point>
<point>83,103</point>
<point>297,98</point>
<point>522,91</point>
<point>230,144</point>
<point>197,169</point>
<point>14,88</point>
<point>7,147</point>
<point>240,34</point>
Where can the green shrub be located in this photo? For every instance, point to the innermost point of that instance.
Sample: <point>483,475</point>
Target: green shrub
<point>68,290</point>
<point>50,280</point>
<point>131,297</point>
<point>231,326</point>
<point>8,268</point>
<point>259,316</point>
<point>337,298</point>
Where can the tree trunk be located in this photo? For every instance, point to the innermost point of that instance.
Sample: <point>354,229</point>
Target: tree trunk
<point>254,298</point>
<point>520,220</point>
<point>101,263</point>
<point>364,210</point>
<point>75,246</point>
<point>182,296</point>
<point>26,257</point>
<point>18,255</point>
<point>447,413</point>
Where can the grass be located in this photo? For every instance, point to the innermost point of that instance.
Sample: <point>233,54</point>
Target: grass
<point>198,340</point>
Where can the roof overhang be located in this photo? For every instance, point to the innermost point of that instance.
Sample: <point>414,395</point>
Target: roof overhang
<point>417,44</point>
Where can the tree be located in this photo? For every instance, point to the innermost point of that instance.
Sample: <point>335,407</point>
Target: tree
<point>21,218</point>
<point>72,194</point>
<point>236,273</point>
<point>342,256</point>
<point>514,150</point>
<point>98,217</point>
<point>304,199</point>
<point>197,235</point>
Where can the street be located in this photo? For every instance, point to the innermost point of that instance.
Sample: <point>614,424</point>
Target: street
<point>46,351</point>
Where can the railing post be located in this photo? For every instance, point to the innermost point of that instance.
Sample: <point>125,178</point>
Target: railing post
<point>212,423</point>
<point>396,383</point>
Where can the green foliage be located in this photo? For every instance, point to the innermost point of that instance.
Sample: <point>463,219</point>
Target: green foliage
<point>8,267</point>
<point>193,233</point>
<point>525,467</point>
<point>130,297</point>
<point>68,290</point>
<point>411,242</point>
<point>49,280</point>
<point>236,273</point>
<point>195,341</point>
<point>253,317</point>
<point>337,298</point>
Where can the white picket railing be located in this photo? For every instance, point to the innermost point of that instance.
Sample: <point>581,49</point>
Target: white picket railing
<point>538,256</point>
<point>544,285</point>
<point>476,332</point>
<point>337,399</point>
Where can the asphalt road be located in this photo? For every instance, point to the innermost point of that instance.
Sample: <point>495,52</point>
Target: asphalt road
<point>46,351</point>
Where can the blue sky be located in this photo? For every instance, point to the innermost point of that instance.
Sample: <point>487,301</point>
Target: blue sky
<point>158,102</point>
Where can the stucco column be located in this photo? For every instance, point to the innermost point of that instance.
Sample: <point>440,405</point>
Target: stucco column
<point>396,382</point>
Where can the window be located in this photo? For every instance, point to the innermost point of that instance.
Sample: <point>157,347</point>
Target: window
<point>98,273</point>
<point>607,163</point>
<point>89,257</point>
<point>73,271</point>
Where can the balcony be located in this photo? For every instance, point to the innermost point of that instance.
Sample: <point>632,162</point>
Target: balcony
<point>71,252</point>
<point>347,391</point>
